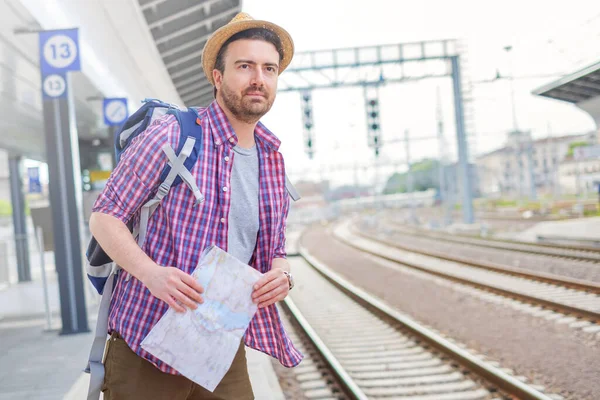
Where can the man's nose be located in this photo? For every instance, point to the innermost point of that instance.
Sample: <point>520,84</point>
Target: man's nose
<point>258,78</point>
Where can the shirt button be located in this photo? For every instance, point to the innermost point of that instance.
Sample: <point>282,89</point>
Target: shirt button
<point>225,188</point>
<point>226,158</point>
<point>231,139</point>
<point>222,220</point>
<point>217,143</point>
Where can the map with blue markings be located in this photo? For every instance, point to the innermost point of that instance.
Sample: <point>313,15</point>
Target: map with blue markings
<point>202,343</point>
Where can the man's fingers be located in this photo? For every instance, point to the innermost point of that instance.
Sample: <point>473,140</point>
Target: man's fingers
<point>183,299</point>
<point>266,278</point>
<point>270,285</point>
<point>270,295</point>
<point>263,305</point>
<point>191,282</point>
<point>265,289</point>
<point>173,304</point>
<point>189,292</point>
<point>272,301</point>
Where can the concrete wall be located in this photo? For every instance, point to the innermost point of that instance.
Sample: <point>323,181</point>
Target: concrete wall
<point>579,176</point>
<point>4,182</point>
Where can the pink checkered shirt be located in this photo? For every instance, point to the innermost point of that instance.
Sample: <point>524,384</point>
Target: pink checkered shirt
<point>178,231</point>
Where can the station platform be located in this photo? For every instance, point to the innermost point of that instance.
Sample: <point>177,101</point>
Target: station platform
<point>577,231</point>
<point>580,229</point>
<point>39,363</point>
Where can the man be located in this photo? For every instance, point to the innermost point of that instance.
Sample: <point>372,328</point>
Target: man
<point>241,175</point>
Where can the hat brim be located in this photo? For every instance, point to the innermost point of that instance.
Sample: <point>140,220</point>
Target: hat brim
<point>221,35</point>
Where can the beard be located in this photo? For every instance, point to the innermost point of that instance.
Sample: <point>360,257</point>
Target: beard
<point>246,108</point>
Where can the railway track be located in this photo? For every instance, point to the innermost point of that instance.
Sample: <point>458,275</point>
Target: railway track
<point>579,253</point>
<point>375,352</point>
<point>314,378</point>
<point>568,296</point>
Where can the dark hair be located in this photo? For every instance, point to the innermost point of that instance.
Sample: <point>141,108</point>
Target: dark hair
<point>253,33</point>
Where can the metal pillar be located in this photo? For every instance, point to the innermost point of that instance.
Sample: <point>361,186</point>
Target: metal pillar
<point>410,186</point>
<point>521,165</point>
<point>450,195</point>
<point>463,151</point>
<point>512,89</point>
<point>555,177</point>
<point>65,199</point>
<point>531,169</point>
<point>19,221</point>
<point>441,152</point>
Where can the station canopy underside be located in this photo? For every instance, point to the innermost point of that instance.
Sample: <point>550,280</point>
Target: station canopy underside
<point>576,87</point>
<point>180,29</point>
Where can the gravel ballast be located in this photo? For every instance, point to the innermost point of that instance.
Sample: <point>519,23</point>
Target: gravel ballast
<point>534,262</point>
<point>565,361</point>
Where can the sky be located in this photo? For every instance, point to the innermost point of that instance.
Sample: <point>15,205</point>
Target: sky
<point>548,39</point>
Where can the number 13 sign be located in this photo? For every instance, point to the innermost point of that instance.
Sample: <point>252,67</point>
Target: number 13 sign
<point>59,53</point>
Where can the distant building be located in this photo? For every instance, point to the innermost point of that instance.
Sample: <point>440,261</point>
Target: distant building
<point>579,176</point>
<point>453,190</point>
<point>509,171</point>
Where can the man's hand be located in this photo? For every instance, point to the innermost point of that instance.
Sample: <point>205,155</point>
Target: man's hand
<point>271,288</point>
<point>173,286</point>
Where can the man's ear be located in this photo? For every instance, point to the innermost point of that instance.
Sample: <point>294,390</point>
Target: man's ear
<point>218,78</point>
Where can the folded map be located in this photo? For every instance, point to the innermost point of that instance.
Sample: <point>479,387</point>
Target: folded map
<point>202,343</point>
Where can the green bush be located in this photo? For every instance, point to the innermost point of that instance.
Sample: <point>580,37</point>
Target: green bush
<point>591,212</point>
<point>5,208</point>
<point>505,203</point>
<point>573,145</point>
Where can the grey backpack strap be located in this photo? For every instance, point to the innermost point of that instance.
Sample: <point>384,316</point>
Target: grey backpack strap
<point>291,189</point>
<point>182,171</point>
<point>95,363</point>
<point>177,168</point>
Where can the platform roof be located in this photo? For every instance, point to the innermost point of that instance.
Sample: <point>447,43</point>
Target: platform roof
<point>574,88</point>
<point>180,29</point>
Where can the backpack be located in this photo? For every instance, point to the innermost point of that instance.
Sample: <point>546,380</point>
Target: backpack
<point>100,268</point>
<point>99,264</point>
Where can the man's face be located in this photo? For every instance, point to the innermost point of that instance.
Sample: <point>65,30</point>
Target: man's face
<point>249,82</point>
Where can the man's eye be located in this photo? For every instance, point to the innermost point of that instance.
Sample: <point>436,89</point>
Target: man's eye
<point>245,66</point>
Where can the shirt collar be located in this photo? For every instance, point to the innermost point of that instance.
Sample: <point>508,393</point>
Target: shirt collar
<point>223,132</point>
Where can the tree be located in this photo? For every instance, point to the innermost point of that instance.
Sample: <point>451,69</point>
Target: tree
<point>573,145</point>
<point>425,176</point>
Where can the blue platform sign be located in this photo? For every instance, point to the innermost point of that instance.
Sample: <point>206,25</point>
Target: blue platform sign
<point>35,186</point>
<point>59,51</point>
<point>54,86</point>
<point>115,111</point>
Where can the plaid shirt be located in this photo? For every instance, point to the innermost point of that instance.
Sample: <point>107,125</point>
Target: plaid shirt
<point>178,231</point>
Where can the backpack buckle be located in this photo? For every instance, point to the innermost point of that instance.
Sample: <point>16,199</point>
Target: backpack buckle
<point>199,197</point>
<point>163,189</point>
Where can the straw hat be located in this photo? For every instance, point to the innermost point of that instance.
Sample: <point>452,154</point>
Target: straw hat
<point>242,22</point>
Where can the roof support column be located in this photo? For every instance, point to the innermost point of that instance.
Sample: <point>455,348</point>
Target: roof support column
<point>19,220</point>
<point>62,152</point>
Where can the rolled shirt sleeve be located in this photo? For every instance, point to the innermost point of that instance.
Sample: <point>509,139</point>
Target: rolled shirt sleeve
<point>137,175</point>
<point>280,232</point>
